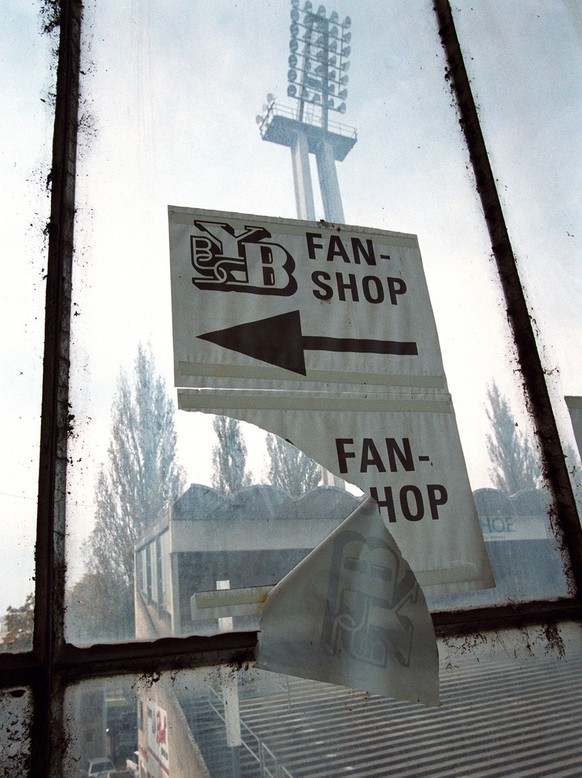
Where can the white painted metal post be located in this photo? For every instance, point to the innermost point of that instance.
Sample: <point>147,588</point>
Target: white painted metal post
<point>302,177</point>
<point>330,192</point>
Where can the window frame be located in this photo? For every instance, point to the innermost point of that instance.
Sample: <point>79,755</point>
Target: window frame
<point>52,665</point>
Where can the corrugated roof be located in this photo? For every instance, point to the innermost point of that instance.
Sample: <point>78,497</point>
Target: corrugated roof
<point>503,720</point>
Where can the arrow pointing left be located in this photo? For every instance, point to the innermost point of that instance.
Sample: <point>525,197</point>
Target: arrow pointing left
<point>278,340</point>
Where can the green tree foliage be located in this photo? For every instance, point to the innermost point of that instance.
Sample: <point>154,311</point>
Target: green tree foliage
<point>89,612</point>
<point>515,464</point>
<point>229,456</point>
<point>290,469</point>
<point>139,480</point>
<point>19,625</point>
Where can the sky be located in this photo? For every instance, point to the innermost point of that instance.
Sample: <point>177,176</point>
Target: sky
<point>169,99</point>
<point>25,143</point>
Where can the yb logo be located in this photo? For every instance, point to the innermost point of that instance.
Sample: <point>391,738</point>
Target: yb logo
<point>368,595</point>
<point>245,262</point>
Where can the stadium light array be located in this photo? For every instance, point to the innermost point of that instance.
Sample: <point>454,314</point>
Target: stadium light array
<point>319,54</point>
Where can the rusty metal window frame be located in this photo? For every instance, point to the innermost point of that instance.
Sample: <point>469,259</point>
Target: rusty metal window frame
<point>52,664</point>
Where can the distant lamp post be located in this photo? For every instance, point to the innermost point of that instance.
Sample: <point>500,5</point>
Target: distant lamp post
<point>319,54</point>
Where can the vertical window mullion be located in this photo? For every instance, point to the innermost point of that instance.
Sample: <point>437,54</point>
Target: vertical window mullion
<point>56,423</point>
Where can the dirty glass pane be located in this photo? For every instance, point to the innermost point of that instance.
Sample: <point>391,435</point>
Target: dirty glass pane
<point>525,63</point>
<point>102,719</point>
<point>15,715</point>
<point>25,149</point>
<point>494,719</point>
<point>169,121</point>
<point>523,552</point>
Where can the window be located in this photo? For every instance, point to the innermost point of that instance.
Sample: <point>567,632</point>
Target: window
<point>163,91</point>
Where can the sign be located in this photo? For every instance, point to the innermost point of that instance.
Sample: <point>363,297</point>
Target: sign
<point>511,528</point>
<point>263,300</point>
<point>364,621</point>
<point>157,736</point>
<point>324,334</point>
<point>406,454</point>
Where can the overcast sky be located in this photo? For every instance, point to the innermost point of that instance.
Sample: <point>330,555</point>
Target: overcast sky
<point>25,143</point>
<point>168,117</point>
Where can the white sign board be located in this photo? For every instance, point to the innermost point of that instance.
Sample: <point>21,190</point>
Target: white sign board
<point>324,335</point>
<point>157,737</point>
<point>257,298</point>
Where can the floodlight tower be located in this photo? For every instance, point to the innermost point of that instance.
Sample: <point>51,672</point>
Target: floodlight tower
<point>318,66</point>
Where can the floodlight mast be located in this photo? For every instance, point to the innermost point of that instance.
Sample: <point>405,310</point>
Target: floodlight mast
<point>318,65</point>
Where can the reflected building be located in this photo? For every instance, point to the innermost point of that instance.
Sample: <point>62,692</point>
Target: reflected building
<point>208,541</point>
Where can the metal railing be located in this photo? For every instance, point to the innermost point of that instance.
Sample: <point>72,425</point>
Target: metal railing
<point>265,758</point>
<point>310,118</point>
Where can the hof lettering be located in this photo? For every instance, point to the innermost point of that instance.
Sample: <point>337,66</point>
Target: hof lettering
<point>498,525</point>
<point>411,501</point>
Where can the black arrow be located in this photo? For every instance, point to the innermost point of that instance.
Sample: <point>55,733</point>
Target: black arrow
<point>279,341</point>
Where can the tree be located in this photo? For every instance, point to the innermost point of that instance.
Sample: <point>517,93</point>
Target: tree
<point>88,610</point>
<point>289,468</point>
<point>19,625</point>
<point>140,479</point>
<point>229,456</point>
<point>512,454</point>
